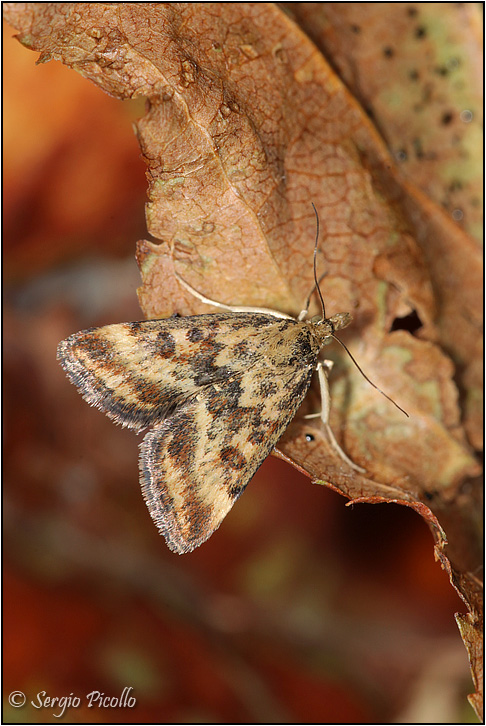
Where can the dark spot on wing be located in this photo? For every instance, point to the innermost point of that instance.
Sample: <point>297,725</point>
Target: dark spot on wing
<point>241,350</point>
<point>233,458</point>
<point>303,351</point>
<point>206,372</point>
<point>99,348</point>
<point>147,392</point>
<point>194,335</point>
<point>183,434</point>
<point>267,388</point>
<point>256,437</point>
<point>135,326</point>
<point>236,490</point>
<point>222,402</point>
<point>198,515</point>
<point>296,393</point>
<point>166,344</point>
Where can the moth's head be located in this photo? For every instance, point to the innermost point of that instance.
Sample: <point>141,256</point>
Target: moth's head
<point>324,328</point>
<point>337,322</point>
<point>340,320</point>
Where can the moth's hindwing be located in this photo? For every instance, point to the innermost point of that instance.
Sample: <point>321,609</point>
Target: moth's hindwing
<point>217,392</point>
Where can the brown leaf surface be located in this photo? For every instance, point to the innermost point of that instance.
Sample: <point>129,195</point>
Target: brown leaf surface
<point>246,125</point>
<point>472,634</point>
<point>417,70</point>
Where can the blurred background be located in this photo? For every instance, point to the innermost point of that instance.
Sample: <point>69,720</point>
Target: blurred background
<point>297,610</point>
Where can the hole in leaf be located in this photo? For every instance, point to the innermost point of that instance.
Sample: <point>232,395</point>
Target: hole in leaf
<point>410,322</point>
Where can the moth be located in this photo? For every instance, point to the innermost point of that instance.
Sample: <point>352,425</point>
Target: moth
<point>215,391</point>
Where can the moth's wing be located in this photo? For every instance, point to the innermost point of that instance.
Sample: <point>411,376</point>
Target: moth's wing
<point>217,391</point>
<point>138,373</point>
<point>197,462</point>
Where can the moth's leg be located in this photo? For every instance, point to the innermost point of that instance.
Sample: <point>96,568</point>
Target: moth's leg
<point>322,371</point>
<point>325,393</point>
<point>303,313</point>
<point>230,308</point>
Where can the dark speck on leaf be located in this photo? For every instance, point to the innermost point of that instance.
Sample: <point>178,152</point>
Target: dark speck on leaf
<point>455,185</point>
<point>417,146</point>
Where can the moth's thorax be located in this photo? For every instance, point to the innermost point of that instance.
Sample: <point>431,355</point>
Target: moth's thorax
<point>323,328</point>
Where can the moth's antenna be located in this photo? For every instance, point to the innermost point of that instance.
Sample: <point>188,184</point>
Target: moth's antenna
<point>307,302</point>
<point>366,377</point>
<point>316,281</point>
<point>315,265</point>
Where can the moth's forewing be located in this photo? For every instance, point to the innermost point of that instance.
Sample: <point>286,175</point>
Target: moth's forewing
<point>139,372</point>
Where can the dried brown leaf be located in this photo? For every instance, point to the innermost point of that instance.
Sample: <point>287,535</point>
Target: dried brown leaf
<point>246,125</point>
<point>417,70</point>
